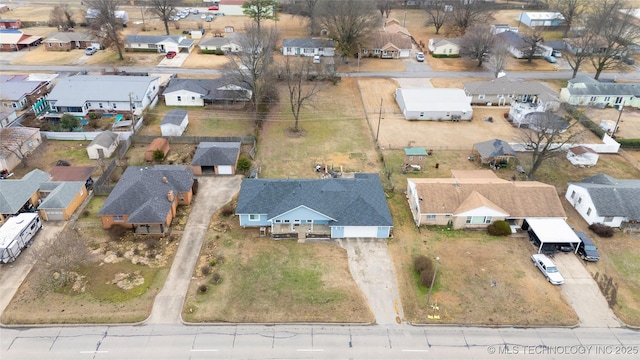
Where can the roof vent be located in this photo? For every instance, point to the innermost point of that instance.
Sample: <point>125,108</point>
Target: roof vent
<point>170,196</point>
<point>164,179</point>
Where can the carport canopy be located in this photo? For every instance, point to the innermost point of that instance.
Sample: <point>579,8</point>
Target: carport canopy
<point>553,231</point>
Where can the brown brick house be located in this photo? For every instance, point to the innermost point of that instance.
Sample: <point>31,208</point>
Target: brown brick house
<point>65,41</point>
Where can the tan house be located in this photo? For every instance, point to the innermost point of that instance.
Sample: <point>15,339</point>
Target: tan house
<point>65,41</point>
<point>473,199</point>
<point>16,143</point>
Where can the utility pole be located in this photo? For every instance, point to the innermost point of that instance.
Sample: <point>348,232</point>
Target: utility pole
<point>379,120</point>
<point>615,128</point>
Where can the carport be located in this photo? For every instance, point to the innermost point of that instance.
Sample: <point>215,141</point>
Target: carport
<point>551,231</point>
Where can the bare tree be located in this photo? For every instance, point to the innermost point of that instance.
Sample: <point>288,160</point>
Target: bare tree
<point>498,56</point>
<point>19,146</point>
<point>259,10</point>
<point>468,13</point>
<point>532,42</point>
<point>384,6</point>
<point>309,7</point>
<point>253,65</point>
<point>164,9</point>
<point>61,16</point>
<point>107,24</point>
<point>476,43</point>
<point>349,22</point>
<point>437,14</point>
<point>571,10</point>
<point>581,51</point>
<point>545,136</point>
<point>296,74</point>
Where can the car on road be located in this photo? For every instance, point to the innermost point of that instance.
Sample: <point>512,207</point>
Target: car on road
<point>90,51</point>
<point>556,54</point>
<point>214,7</point>
<point>551,59</point>
<point>548,268</point>
<point>171,54</point>
<point>420,57</point>
<point>587,249</point>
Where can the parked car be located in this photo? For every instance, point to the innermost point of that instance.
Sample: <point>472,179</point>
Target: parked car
<point>209,18</point>
<point>556,54</point>
<point>548,268</point>
<point>195,11</point>
<point>214,7</point>
<point>551,59</point>
<point>90,51</point>
<point>587,249</point>
<point>420,57</point>
<point>628,60</point>
<point>171,54</point>
<point>316,59</point>
<point>203,16</point>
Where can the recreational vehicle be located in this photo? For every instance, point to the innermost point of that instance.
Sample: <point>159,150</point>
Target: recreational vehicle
<point>16,234</point>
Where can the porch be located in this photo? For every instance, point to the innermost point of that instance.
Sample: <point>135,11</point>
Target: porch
<point>300,231</point>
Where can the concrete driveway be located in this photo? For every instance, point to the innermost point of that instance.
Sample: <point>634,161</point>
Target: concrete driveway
<point>175,62</point>
<point>372,269</point>
<point>213,193</point>
<point>583,293</point>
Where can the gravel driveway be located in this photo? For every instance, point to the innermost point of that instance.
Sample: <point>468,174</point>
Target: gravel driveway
<point>371,268</point>
<point>583,293</point>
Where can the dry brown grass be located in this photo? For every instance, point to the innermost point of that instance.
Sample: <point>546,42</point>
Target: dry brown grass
<point>629,125</point>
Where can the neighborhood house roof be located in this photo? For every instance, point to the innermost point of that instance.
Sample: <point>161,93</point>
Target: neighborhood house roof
<point>210,89</point>
<point>494,148</point>
<point>14,193</point>
<point>155,39</point>
<point>580,149</point>
<point>544,15</point>
<point>216,153</point>
<point>174,117</point>
<point>218,41</point>
<point>415,151</point>
<point>14,87</point>
<point>444,41</point>
<point>78,89</point>
<point>105,139</point>
<point>14,36</point>
<point>435,99</point>
<point>613,197</point>
<point>383,40</point>
<point>507,86</point>
<point>61,193</point>
<point>71,173</point>
<point>584,85</point>
<point>359,201</point>
<point>308,43</point>
<point>142,192</point>
<point>66,37</point>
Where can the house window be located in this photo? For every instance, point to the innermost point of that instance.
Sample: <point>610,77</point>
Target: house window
<point>115,105</point>
<point>607,98</point>
<point>430,216</point>
<point>573,194</point>
<point>309,221</point>
<point>588,211</point>
<point>118,218</point>
<point>481,96</point>
<point>419,158</point>
<point>421,114</point>
<point>608,219</point>
<point>287,221</point>
<point>593,98</point>
<point>179,98</point>
<point>376,51</point>
<point>100,105</point>
<point>50,44</point>
<point>410,157</point>
<point>254,217</point>
<point>193,98</point>
<point>278,221</point>
<point>619,100</point>
<point>450,51</point>
<point>478,220</point>
<point>579,200</point>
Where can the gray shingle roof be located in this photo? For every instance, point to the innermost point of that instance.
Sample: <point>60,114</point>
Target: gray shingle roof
<point>613,197</point>
<point>174,117</point>
<point>308,43</point>
<point>76,90</point>
<point>15,193</point>
<point>350,202</point>
<point>14,87</point>
<point>493,148</point>
<point>104,139</point>
<point>70,36</point>
<point>507,86</point>
<point>584,85</point>
<point>216,153</point>
<point>142,194</point>
<point>209,88</point>
<point>228,38</point>
<point>155,39</point>
<point>62,193</point>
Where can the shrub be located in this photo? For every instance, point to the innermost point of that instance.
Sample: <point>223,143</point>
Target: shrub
<point>422,263</point>
<point>152,242</point>
<point>499,228</point>
<point>94,116</point>
<point>218,52</point>
<point>244,164</point>
<point>203,288</point>
<point>158,155</point>
<point>426,277</point>
<point>227,210</point>
<point>69,122</point>
<point>629,143</point>
<point>212,263</point>
<point>216,279</point>
<point>601,229</point>
<point>206,270</point>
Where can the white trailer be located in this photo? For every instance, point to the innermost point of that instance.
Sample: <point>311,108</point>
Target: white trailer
<point>16,234</point>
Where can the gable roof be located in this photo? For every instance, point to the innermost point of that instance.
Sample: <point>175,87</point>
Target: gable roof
<point>513,39</point>
<point>515,198</point>
<point>14,193</point>
<point>493,148</point>
<point>15,87</point>
<point>156,39</point>
<point>71,173</point>
<point>14,36</point>
<point>383,40</point>
<point>66,37</point>
<point>505,86</point>
<point>613,197</point>
<point>440,99</point>
<point>216,153</point>
<point>584,85</point>
<point>76,90</point>
<point>228,38</point>
<point>105,139</point>
<point>211,89</point>
<point>142,192</point>
<point>174,117</point>
<point>61,195</point>
<point>309,43</point>
<point>445,41</point>
<point>359,201</point>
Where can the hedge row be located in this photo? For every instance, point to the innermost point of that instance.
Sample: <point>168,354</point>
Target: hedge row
<point>216,52</point>
<point>445,56</point>
<point>629,143</point>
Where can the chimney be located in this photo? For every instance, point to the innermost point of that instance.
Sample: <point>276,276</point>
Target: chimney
<point>164,179</point>
<point>170,196</point>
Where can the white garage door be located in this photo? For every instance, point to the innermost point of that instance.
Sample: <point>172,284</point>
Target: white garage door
<point>55,215</point>
<point>225,170</point>
<point>360,231</point>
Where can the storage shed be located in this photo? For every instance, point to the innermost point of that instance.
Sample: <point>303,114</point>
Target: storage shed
<point>582,156</point>
<point>156,144</point>
<point>103,145</point>
<point>174,123</point>
<point>434,104</point>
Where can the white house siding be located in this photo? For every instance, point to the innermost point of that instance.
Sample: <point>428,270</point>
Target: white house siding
<point>231,10</point>
<point>183,98</point>
<point>448,49</point>
<point>93,153</point>
<point>172,129</point>
<point>608,100</point>
<point>579,198</point>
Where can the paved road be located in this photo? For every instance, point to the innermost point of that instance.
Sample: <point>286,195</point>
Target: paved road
<point>213,193</point>
<point>315,342</point>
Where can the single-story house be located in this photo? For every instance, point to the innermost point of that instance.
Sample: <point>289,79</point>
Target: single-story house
<point>7,117</point>
<point>19,91</point>
<point>146,198</point>
<point>73,173</point>
<point>158,43</point>
<point>416,156</point>
<point>541,18</point>
<point>581,155</point>
<point>606,200</point>
<point>229,43</point>
<point>307,47</point>
<point>584,90</point>
<point>80,94</point>
<point>103,145</point>
<point>231,7</point>
<point>217,158</point>
<point>157,144</point>
<point>201,92</point>
<point>10,24</point>
<point>174,122</point>
<point>505,91</point>
<point>316,208</point>
<point>16,40</point>
<point>518,47</point>
<point>60,199</point>
<point>434,104</point>
<point>19,195</point>
<point>17,142</point>
<point>65,41</point>
<point>393,26</point>
<point>387,46</point>
<point>473,199</point>
<point>493,151</point>
<point>448,47</point>
<point>500,28</point>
